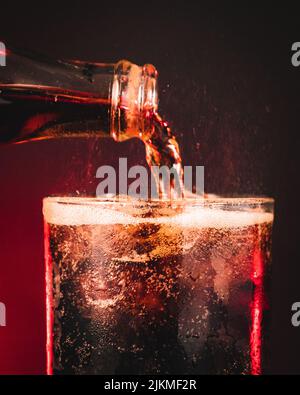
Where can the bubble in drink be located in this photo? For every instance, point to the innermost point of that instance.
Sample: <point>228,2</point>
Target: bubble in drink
<point>157,287</point>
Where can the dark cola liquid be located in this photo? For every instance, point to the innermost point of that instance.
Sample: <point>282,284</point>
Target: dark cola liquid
<point>148,294</point>
<point>30,113</point>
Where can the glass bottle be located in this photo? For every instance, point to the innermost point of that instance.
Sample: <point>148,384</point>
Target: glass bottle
<point>42,98</point>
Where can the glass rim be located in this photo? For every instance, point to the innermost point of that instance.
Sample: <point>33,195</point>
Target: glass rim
<point>209,200</point>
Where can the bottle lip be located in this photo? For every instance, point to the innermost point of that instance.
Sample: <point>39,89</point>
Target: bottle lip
<point>133,94</point>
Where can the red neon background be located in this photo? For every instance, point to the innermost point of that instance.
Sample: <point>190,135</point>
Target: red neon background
<point>226,83</point>
<point>28,173</point>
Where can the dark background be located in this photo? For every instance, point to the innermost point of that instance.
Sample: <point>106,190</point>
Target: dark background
<point>228,89</point>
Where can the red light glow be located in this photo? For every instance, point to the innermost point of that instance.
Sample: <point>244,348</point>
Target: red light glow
<point>256,313</point>
<point>49,303</point>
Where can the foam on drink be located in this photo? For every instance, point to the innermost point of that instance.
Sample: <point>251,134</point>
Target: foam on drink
<point>86,211</point>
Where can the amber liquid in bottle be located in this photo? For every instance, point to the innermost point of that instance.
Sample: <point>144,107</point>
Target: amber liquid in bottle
<point>30,113</point>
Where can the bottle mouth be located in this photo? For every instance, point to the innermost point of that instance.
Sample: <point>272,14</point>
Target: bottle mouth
<point>133,96</point>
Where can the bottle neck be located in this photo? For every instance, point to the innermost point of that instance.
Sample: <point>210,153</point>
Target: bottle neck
<point>127,91</point>
<point>133,98</point>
